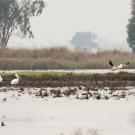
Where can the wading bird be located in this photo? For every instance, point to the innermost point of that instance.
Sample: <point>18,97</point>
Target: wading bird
<point>16,81</point>
<point>120,66</point>
<point>1,79</point>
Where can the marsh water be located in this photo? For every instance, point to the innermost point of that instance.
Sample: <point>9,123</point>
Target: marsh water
<point>72,70</point>
<point>24,111</point>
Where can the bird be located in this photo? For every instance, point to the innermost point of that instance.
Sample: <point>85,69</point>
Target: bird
<point>1,79</point>
<point>16,81</point>
<point>120,66</point>
<point>4,99</point>
<point>2,124</point>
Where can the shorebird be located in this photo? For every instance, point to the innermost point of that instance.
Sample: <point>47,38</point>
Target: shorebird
<point>16,81</point>
<point>4,99</point>
<point>2,124</point>
<point>120,66</point>
<point>1,79</point>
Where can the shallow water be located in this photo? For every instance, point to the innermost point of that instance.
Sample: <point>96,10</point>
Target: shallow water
<point>27,114</point>
<point>73,71</point>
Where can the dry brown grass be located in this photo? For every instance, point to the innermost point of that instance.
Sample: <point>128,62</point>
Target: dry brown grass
<point>61,58</point>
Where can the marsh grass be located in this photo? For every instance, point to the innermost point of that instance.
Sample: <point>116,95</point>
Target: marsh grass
<point>60,58</point>
<point>38,74</point>
<point>80,76</point>
<point>60,79</point>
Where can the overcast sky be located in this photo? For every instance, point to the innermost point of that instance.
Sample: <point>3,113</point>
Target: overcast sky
<point>62,18</point>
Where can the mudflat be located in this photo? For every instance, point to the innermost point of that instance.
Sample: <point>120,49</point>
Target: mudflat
<point>87,80</point>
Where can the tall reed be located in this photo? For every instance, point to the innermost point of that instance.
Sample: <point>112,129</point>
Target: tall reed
<point>61,58</point>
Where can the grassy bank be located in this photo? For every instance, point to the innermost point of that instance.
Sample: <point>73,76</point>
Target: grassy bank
<point>60,79</point>
<point>60,58</point>
<point>94,76</point>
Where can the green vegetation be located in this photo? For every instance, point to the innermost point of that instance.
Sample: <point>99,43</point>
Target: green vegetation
<point>71,74</point>
<point>131,27</point>
<point>15,15</point>
<point>38,74</point>
<point>62,79</point>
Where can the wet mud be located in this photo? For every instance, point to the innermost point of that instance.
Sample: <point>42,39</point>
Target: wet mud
<point>73,80</point>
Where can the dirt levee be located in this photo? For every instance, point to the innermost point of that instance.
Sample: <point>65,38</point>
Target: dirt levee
<point>89,80</point>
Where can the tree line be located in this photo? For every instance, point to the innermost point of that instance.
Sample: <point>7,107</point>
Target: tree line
<point>15,18</point>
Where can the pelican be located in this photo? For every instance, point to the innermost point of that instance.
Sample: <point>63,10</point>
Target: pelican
<point>16,81</point>
<point>1,79</point>
<point>120,66</point>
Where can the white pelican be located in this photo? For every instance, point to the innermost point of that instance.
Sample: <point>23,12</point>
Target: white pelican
<point>1,79</point>
<point>16,81</point>
<point>121,66</point>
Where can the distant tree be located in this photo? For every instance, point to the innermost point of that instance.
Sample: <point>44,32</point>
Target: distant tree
<point>15,16</point>
<point>84,40</point>
<point>131,28</point>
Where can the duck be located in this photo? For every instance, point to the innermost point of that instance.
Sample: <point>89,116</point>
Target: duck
<point>2,124</point>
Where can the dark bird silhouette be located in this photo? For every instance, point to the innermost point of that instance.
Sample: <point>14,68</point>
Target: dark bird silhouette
<point>4,99</point>
<point>2,124</point>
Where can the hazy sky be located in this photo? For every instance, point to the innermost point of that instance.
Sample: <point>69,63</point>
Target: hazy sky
<point>62,18</point>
